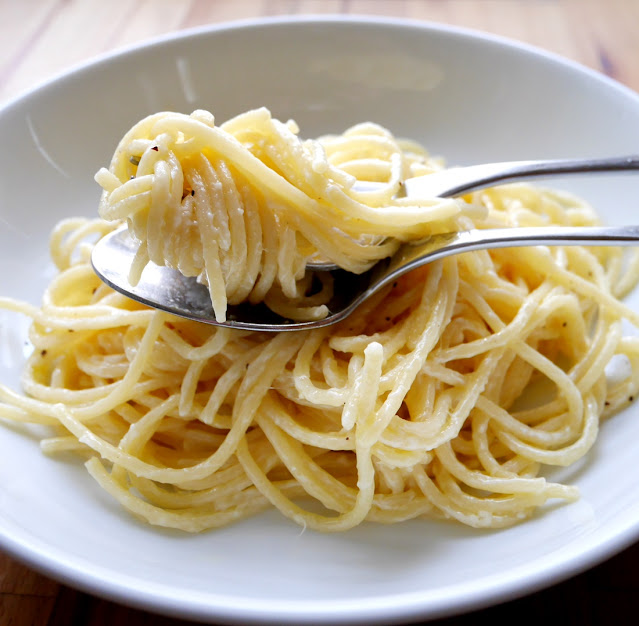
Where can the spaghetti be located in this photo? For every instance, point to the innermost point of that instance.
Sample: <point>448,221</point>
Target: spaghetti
<point>446,396</point>
<point>244,206</point>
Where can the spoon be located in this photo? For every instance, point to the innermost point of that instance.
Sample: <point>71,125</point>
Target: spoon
<point>167,289</point>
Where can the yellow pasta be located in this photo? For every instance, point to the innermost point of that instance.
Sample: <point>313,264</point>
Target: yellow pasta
<point>446,396</point>
<point>245,205</point>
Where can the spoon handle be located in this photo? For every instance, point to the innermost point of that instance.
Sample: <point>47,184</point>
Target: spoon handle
<point>458,180</point>
<point>413,255</point>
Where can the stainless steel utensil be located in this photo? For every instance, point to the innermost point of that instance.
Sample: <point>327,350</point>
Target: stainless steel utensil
<point>167,289</point>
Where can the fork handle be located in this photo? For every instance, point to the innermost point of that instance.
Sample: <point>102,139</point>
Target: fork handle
<point>459,180</point>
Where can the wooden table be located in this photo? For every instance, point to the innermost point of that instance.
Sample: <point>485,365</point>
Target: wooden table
<point>40,38</point>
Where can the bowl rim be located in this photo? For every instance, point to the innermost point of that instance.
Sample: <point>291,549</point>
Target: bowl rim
<point>465,32</point>
<point>156,597</point>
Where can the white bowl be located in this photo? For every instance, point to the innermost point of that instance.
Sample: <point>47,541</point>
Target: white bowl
<point>468,97</point>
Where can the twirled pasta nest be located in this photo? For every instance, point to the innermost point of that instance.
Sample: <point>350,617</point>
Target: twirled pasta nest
<point>245,205</point>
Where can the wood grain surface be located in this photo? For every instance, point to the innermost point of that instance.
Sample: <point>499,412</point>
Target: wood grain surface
<point>41,38</point>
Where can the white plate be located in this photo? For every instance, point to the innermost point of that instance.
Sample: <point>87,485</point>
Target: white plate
<point>467,96</point>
